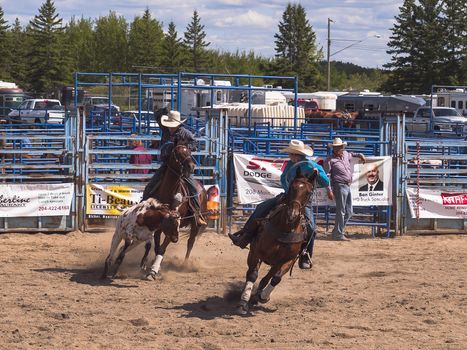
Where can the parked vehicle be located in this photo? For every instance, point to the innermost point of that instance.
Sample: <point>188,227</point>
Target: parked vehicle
<point>130,120</point>
<point>97,104</point>
<point>11,96</point>
<point>438,120</point>
<point>309,106</point>
<point>38,111</point>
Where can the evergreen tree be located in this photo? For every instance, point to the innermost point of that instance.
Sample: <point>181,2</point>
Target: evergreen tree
<point>80,37</point>
<point>172,51</point>
<point>111,37</point>
<point>296,52</point>
<point>416,49</point>
<point>48,60</point>
<point>455,36</point>
<point>145,39</point>
<point>18,51</point>
<point>4,48</point>
<point>194,41</point>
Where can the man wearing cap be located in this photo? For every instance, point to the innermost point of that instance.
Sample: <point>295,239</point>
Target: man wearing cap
<point>297,152</point>
<point>338,167</point>
<point>172,133</point>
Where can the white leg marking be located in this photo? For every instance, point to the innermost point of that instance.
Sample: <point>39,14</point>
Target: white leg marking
<point>157,264</point>
<point>266,292</point>
<point>247,291</point>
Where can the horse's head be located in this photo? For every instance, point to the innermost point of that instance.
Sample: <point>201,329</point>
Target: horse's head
<point>298,195</point>
<point>181,161</point>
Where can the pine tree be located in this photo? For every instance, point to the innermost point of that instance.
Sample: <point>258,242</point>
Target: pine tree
<point>111,37</point>
<point>4,48</point>
<point>172,51</point>
<point>145,39</point>
<point>455,37</point>
<point>296,52</point>
<point>417,53</point>
<point>18,65</point>
<point>194,41</point>
<point>49,63</point>
<point>80,36</point>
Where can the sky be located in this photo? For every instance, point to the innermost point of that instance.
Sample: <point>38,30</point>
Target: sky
<point>232,25</point>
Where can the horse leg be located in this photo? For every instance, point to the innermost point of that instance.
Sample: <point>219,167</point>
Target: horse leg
<point>262,284</point>
<point>116,239</point>
<point>144,260</point>
<point>251,276</point>
<point>160,251</point>
<point>264,293</point>
<point>194,230</point>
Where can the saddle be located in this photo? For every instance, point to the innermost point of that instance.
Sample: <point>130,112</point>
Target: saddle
<point>277,233</point>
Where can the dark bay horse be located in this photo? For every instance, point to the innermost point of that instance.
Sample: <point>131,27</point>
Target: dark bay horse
<point>278,242</point>
<point>173,191</point>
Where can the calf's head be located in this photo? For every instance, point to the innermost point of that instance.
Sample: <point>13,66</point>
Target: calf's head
<point>160,218</point>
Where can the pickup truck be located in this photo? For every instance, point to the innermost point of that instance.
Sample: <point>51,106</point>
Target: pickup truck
<point>437,120</point>
<point>38,111</point>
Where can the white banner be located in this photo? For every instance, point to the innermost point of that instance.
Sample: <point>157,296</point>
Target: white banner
<point>258,178</point>
<point>437,204</point>
<point>18,200</point>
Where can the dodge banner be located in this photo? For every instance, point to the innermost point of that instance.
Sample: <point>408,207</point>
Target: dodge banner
<point>258,178</point>
<point>18,200</point>
<point>437,204</point>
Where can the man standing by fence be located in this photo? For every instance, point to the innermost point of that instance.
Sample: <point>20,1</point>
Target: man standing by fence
<point>340,172</point>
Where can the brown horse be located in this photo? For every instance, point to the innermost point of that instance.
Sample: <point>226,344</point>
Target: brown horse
<point>278,242</point>
<point>173,190</point>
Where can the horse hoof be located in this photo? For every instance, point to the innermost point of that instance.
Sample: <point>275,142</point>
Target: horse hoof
<point>153,276</point>
<point>242,309</point>
<point>263,301</point>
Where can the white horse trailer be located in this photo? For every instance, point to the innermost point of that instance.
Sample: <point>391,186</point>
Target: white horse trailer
<point>455,99</point>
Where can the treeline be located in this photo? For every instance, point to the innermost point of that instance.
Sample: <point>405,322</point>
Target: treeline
<point>428,46</point>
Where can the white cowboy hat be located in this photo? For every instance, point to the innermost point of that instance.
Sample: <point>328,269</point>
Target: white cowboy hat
<point>337,142</point>
<point>298,147</point>
<point>172,120</point>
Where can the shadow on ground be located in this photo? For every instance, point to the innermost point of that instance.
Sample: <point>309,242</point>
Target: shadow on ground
<point>89,276</point>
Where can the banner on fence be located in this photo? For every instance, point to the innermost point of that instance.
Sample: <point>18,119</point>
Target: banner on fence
<point>258,178</point>
<point>18,200</point>
<point>437,204</point>
<point>213,202</point>
<point>107,201</point>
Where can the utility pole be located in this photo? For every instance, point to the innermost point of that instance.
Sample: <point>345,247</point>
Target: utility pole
<point>329,54</point>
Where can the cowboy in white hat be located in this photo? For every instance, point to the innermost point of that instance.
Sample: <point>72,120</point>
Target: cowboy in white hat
<point>174,132</point>
<point>340,172</point>
<point>297,152</point>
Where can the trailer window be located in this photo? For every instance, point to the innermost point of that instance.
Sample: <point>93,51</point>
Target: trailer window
<point>453,104</point>
<point>349,107</point>
<point>440,101</point>
<point>460,105</point>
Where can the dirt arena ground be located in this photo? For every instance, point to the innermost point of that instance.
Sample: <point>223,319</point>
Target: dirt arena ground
<point>403,293</point>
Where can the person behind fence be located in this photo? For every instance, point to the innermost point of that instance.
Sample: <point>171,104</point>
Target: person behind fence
<point>297,152</point>
<point>173,132</point>
<point>340,171</point>
<point>140,158</point>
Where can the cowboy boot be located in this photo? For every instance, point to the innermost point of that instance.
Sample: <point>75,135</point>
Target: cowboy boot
<point>242,238</point>
<point>200,220</point>
<point>304,260</point>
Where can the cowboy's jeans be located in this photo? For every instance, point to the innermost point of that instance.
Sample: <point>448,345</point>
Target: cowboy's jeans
<point>310,227</point>
<point>151,187</point>
<point>343,199</point>
<point>262,210</point>
<point>193,189</point>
